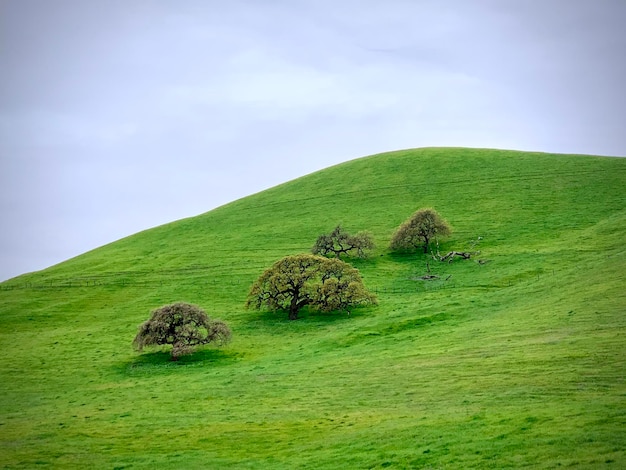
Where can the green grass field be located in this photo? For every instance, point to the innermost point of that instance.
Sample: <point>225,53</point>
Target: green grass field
<point>518,362</point>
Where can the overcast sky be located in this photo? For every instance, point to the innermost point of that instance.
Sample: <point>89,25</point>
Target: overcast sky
<point>120,115</point>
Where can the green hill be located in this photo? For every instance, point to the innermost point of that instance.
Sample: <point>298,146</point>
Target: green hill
<point>514,362</point>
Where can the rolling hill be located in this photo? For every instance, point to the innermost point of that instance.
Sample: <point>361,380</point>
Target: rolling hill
<point>517,361</point>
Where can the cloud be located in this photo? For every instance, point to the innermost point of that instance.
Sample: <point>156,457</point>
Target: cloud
<point>50,128</point>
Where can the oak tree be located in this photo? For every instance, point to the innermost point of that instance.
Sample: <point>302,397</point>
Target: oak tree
<point>324,284</point>
<point>340,242</point>
<point>184,326</point>
<point>418,231</point>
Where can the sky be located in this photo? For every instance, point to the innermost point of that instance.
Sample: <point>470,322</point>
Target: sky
<point>121,115</point>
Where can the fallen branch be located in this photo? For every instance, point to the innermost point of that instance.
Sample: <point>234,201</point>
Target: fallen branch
<point>461,254</point>
<point>430,277</point>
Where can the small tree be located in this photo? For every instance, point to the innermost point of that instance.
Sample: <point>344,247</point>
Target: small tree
<point>340,242</point>
<point>182,325</point>
<point>308,280</point>
<point>418,230</point>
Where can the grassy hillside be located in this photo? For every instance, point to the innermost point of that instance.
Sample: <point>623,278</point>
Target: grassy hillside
<point>518,362</point>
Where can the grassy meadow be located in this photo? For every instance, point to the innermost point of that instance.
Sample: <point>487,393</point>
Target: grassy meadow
<point>516,362</point>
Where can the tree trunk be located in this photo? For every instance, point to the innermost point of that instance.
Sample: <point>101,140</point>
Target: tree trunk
<point>426,242</point>
<point>293,308</point>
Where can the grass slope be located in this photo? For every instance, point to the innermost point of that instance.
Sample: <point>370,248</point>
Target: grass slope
<point>515,363</point>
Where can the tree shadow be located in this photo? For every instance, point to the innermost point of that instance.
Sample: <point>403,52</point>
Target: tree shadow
<point>407,256</point>
<point>154,361</point>
<point>306,317</point>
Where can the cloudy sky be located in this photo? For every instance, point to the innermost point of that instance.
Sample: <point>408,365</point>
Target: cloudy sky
<point>120,115</point>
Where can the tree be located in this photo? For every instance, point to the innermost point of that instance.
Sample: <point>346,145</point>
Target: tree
<point>182,325</point>
<point>340,242</point>
<point>418,230</point>
<point>323,284</point>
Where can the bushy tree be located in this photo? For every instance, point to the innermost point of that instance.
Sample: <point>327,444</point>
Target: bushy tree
<point>418,231</point>
<point>182,325</point>
<point>323,284</point>
<point>340,242</point>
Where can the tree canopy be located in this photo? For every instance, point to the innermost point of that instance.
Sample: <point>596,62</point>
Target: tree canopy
<point>340,242</point>
<point>184,326</point>
<point>418,231</point>
<point>323,284</point>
